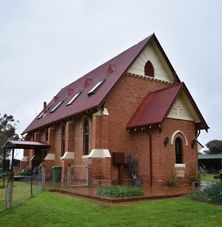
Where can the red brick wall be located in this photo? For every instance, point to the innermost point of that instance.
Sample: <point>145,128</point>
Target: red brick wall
<point>121,105</point>
<point>110,132</point>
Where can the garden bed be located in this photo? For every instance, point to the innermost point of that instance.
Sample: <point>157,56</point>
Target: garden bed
<point>210,194</point>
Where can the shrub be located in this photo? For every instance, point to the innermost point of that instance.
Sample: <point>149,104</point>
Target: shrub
<point>119,191</point>
<point>211,194</point>
<point>173,182</point>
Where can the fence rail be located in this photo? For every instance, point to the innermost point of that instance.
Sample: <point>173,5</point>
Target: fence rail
<point>15,190</point>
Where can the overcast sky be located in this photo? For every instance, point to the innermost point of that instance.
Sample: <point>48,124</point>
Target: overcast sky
<point>47,44</point>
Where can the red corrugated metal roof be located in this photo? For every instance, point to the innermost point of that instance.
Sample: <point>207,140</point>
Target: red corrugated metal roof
<point>156,106</point>
<point>24,144</point>
<point>111,71</point>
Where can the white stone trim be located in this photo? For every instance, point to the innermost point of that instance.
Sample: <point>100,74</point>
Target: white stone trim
<point>178,132</point>
<point>182,165</point>
<point>102,112</point>
<point>49,157</point>
<point>99,153</point>
<point>148,78</point>
<point>85,156</point>
<point>24,159</point>
<point>68,155</point>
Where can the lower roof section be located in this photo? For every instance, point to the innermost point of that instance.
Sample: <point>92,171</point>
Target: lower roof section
<point>24,144</point>
<point>156,106</point>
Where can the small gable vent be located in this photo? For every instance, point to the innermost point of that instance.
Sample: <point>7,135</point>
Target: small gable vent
<point>148,69</point>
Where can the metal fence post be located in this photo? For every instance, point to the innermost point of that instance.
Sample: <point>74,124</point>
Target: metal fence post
<point>43,175</point>
<point>9,191</point>
<point>69,175</point>
<point>31,183</point>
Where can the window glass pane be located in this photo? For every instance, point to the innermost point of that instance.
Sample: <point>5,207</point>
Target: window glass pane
<point>86,138</point>
<point>179,150</point>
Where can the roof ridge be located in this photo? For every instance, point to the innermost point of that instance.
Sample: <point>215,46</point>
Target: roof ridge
<point>110,60</point>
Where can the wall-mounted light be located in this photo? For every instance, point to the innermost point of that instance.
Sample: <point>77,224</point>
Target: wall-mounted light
<point>166,141</point>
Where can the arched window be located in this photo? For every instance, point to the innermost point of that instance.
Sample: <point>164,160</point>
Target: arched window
<point>148,69</point>
<point>179,150</point>
<point>63,139</point>
<point>86,137</point>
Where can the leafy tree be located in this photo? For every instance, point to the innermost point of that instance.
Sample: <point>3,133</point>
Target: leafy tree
<point>214,146</point>
<point>7,130</point>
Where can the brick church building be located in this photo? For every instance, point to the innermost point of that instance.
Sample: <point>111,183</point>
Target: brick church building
<point>134,104</point>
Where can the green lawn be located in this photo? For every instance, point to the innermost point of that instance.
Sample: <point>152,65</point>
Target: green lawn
<point>21,192</point>
<point>209,177</point>
<point>52,208</point>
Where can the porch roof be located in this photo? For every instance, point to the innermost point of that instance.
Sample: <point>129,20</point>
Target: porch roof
<point>209,156</point>
<point>24,144</point>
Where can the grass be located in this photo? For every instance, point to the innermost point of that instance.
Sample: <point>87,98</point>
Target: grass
<point>117,191</point>
<point>209,177</point>
<point>2,196</point>
<point>51,209</point>
<point>21,192</point>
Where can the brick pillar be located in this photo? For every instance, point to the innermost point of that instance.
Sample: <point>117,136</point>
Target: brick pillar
<point>69,147</point>
<point>100,165</point>
<point>100,171</point>
<point>100,130</point>
<point>51,139</point>
<point>65,166</point>
<point>50,158</point>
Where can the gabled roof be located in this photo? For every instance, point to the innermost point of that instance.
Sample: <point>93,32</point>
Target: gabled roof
<point>156,106</point>
<point>110,72</point>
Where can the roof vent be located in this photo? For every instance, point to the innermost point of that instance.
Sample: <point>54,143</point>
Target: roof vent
<point>56,98</point>
<point>56,107</point>
<point>87,82</point>
<point>73,98</point>
<point>70,91</point>
<point>40,115</point>
<point>111,68</point>
<point>95,88</point>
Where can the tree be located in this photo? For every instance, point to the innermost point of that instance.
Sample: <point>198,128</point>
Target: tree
<point>7,130</point>
<point>214,146</point>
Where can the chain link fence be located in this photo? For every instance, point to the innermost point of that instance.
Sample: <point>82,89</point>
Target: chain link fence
<point>24,187</point>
